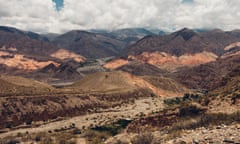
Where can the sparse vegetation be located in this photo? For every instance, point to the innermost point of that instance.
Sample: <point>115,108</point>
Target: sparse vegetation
<point>96,137</point>
<point>143,138</point>
<point>76,131</point>
<point>46,140</point>
<point>190,110</point>
<point>113,128</point>
<point>186,98</point>
<point>205,120</point>
<point>29,122</point>
<point>235,98</point>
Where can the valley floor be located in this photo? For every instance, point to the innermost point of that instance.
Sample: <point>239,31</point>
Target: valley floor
<point>140,108</point>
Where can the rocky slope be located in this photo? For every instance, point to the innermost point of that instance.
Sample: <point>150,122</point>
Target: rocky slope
<point>212,117</point>
<point>117,63</point>
<point>184,48</point>
<point>23,100</point>
<point>28,54</point>
<point>20,110</point>
<point>227,95</point>
<point>142,69</point>
<point>116,82</point>
<point>130,35</point>
<point>30,45</point>
<point>184,41</point>
<point>66,71</point>
<point>90,45</point>
<point>225,134</point>
<point>171,62</point>
<point>63,54</point>
<point>12,85</point>
<point>21,62</point>
<point>35,101</point>
<point>208,76</point>
<point>17,41</point>
<point>164,60</point>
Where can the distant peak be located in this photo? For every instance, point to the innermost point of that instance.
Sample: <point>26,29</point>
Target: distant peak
<point>185,30</point>
<point>9,29</point>
<point>79,31</point>
<point>236,30</point>
<point>217,31</point>
<point>185,33</point>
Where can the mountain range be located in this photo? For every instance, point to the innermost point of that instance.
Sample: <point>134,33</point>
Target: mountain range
<point>22,50</point>
<point>79,84</point>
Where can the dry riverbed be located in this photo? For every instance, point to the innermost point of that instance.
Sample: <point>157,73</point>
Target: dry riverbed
<point>140,107</point>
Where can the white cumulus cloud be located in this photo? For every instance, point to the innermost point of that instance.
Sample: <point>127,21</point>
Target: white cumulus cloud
<point>41,15</point>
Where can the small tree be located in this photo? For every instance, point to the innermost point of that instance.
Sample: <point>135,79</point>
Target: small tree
<point>29,122</point>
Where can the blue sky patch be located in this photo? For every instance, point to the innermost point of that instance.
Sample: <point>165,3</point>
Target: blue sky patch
<point>59,4</point>
<point>187,1</point>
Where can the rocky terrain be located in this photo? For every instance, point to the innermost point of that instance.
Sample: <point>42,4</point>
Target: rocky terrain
<point>185,41</point>
<point>25,53</point>
<point>90,45</point>
<point>120,86</point>
<point>209,118</point>
<point>184,48</point>
<point>210,75</point>
<point>102,116</point>
<point>36,101</point>
<point>171,62</point>
<point>130,35</point>
<point>224,134</point>
<point>13,85</point>
<point>142,69</point>
<point>21,110</point>
<point>20,42</point>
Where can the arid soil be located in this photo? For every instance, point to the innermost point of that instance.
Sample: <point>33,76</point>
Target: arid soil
<point>17,110</point>
<point>170,62</point>
<point>116,64</point>
<point>221,134</point>
<point>63,54</point>
<point>165,60</point>
<point>20,62</point>
<point>140,107</point>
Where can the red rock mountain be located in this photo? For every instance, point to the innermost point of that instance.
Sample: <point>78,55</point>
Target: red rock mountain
<point>183,48</point>
<point>185,41</point>
<point>209,76</point>
<point>30,51</point>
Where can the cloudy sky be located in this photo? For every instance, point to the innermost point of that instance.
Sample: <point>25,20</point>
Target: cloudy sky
<point>57,16</point>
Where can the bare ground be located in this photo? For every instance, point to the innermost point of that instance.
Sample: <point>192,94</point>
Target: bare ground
<point>141,107</point>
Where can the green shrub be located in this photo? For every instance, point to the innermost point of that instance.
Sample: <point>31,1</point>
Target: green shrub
<point>29,122</point>
<point>9,125</point>
<point>113,128</point>
<point>235,97</point>
<point>76,131</point>
<point>190,110</point>
<point>171,102</point>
